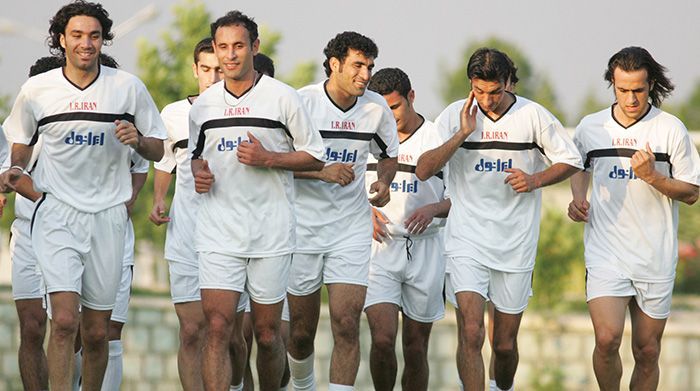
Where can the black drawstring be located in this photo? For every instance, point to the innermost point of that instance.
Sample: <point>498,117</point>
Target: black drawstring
<point>409,244</point>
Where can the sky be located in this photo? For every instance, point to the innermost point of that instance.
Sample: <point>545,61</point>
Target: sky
<point>569,42</point>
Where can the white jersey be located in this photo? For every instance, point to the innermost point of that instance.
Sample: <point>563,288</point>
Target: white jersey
<point>82,163</point>
<point>488,220</point>
<point>249,211</point>
<point>409,193</point>
<point>4,147</point>
<point>632,226</point>
<point>331,216</point>
<point>179,244</point>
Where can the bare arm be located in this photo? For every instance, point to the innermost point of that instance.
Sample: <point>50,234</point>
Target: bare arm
<point>340,173</point>
<point>161,183</point>
<point>148,147</point>
<point>579,206</point>
<point>137,182</point>
<point>254,154</point>
<point>643,164</point>
<point>25,187</point>
<point>434,160</point>
<point>523,182</point>
<point>423,216</point>
<point>21,154</point>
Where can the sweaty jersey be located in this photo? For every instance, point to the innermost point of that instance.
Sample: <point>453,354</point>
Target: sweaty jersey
<point>409,193</point>
<point>82,163</point>
<point>249,211</point>
<point>488,220</point>
<point>331,216</point>
<point>179,244</point>
<point>632,226</point>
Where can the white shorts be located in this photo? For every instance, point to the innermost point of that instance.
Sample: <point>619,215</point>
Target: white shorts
<point>346,266</point>
<point>184,282</point>
<point>265,279</point>
<point>80,252</point>
<point>509,292</point>
<point>653,298</point>
<point>409,272</point>
<point>121,307</point>
<point>26,278</point>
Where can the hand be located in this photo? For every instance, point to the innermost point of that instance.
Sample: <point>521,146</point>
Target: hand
<point>379,222</point>
<point>420,220</point>
<point>643,164</point>
<point>130,206</point>
<point>127,134</point>
<point>467,116</point>
<point>252,153</point>
<point>340,173</point>
<point>158,215</point>
<point>383,195</point>
<point>578,210</point>
<point>520,181</point>
<point>203,178</point>
<point>8,180</point>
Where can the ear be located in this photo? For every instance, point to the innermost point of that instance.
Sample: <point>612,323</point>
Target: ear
<point>194,70</point>
<point>62,40</point>
<point>335,64</point>
<point>256,46</point>
<point>411,96</point>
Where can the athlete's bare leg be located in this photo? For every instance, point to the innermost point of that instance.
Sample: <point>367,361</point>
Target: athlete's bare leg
<point>489,324</point>
<point>383,319</point>
<point>238,350</point>
<point>415,339</point>
<point>219,308</point>
<point>505,347</point>
<point>284,331</point>
<point>189,354</point>
<point>271,353</point>
<point>64,328</point>
<point>646,348</point>
<point>248,384</point>
<point>94,334</point>
<point>33,368</point>
<point>608,316</point>
<point>470,339</point>
<point>303,321</point>
<point>345,302</point>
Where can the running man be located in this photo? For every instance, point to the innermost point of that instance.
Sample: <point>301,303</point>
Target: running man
<point>246,136</point>
<point>407,269</point>
<point>640,159</point>
<point>498,151</point>
<point>88,116</point>
<point>334,236</point>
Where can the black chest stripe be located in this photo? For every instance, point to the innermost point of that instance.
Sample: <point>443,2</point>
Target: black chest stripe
<point>621,152</point>
<point>474,145</point>
<point>235,122</point>
<point>182,144</point>
<point>86,116</point>
<point>346,135</point>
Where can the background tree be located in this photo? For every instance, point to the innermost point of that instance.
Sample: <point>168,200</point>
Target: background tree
<point>591,104</point>
<point>532,85</point>
<point>689,112</point>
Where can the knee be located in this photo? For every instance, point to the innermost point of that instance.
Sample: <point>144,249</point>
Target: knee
<point>94,335</point>
<point>608,342</point>
<point>647,354</point>
<point>383,343</point>
<point>415,350</point>
<point>64,324</point>
<point>32,331</point>
<point>347,328</point>
<point>191,333</point>
<point>472,335</point>
<point>218,327</point>
<point>267,337</point>
<point>505,348</point>
<point>300,336</point>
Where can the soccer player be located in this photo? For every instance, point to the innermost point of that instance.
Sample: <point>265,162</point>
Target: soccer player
<point>334,236</point>
<point>246,136</point>
<point>179,241</point>
<point>407,269</point>
<point>642,163</point>
<point>90,117</point>
<point>498,151</point>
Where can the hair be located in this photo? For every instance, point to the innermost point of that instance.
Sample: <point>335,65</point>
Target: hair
<point>236,18</point>
<point>338,47</point>
<point>492,65</point>
<point>635,58</point>
<point>388,80</point>
<point>45,64</point>
<point>264,64</point>
<point>59,22</point>
<point>203,46</point>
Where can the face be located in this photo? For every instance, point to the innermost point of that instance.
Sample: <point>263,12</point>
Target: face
<point>401,107</point>
<point>234,52</point>
<point>631,92</point>
<point>207,70</point>
<point>489,94</point>
<point>352,74</point>
<point>82,42</point>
